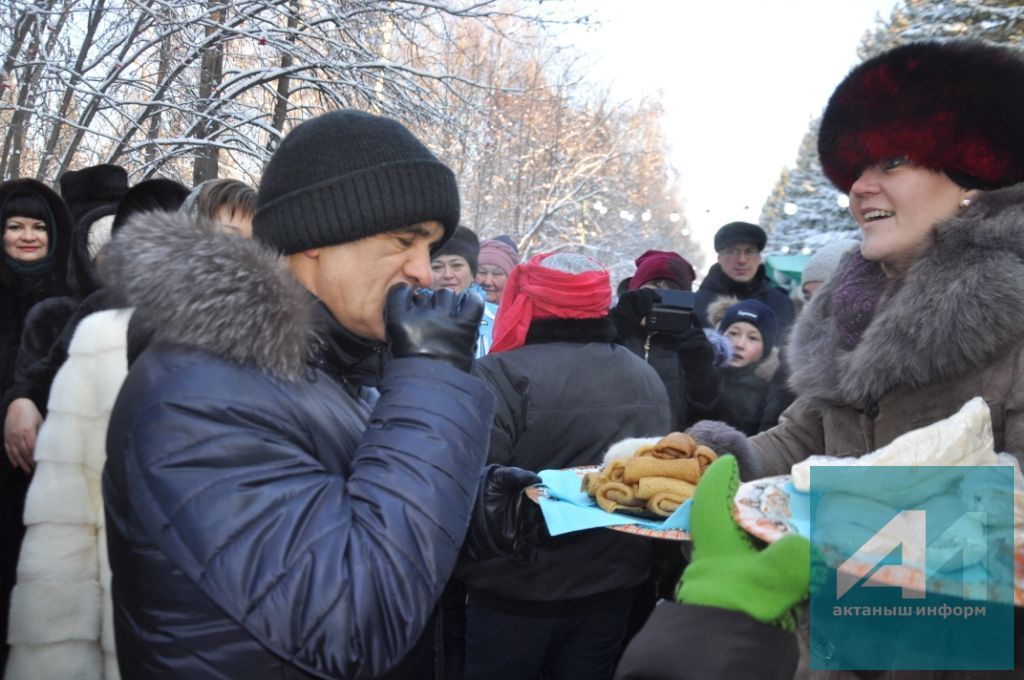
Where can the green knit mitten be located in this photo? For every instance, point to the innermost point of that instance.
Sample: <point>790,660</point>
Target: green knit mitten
<point>727,570</point>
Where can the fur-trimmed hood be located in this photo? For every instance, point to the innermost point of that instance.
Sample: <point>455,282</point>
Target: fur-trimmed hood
<point>194,285</point>
<point>955,310</point>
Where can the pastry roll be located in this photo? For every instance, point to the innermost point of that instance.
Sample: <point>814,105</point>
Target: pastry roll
<point>664,494</point>
<point>647,487</point>
<point>686,469</point>
<point>705,456</point>
<point>615,470</point>
<point>663,504</point>
<point>612,496</point>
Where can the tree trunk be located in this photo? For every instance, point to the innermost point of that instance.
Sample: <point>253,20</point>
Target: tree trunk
<point>153,131</point>
<point>95,15</point>
<point>212,72</point>
<point>284,82</point>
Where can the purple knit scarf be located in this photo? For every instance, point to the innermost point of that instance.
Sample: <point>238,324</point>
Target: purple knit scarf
<point>857,293</point>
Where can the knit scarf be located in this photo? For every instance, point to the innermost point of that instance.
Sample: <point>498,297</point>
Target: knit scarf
<point>857,293</point>
<point>536,292</point>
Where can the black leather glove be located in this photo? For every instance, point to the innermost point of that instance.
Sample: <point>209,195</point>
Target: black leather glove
<point>441,326</point>
<point>632,310</point>
<point>504,522</point>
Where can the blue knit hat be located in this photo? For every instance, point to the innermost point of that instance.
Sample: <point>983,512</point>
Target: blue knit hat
<point>756,314</point>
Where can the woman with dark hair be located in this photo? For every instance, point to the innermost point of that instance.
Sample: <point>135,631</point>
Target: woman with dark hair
<point>23,403</point>
<point>36,238</point>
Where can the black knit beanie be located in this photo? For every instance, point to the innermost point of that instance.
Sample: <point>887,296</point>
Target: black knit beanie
<point>757,314</point>
<point>347,175</point>
<point>463,242</point>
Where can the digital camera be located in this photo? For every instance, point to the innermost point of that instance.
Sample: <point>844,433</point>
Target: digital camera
<point>674,314</point>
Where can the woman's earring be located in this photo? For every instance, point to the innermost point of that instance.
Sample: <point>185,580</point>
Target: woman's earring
<point>965,202</point>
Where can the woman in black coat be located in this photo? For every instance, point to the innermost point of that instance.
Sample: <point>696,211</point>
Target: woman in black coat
<point>36,238</point>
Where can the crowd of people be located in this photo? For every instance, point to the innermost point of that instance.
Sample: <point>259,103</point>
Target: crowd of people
<point>285,430</point>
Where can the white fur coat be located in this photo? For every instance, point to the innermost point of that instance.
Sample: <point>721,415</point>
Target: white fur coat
<point>61,625</point>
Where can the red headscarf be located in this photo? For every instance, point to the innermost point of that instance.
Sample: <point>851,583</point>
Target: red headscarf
<point>536,292</point>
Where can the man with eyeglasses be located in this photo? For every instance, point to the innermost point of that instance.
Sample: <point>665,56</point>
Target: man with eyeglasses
<point>740,274</point>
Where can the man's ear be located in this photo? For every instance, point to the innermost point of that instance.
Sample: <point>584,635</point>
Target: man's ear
<point>312,253</point>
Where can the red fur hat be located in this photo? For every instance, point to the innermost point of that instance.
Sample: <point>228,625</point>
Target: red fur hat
<point>954,106</point>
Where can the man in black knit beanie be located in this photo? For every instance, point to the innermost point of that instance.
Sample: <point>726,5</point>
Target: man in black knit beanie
<point>295,459</point>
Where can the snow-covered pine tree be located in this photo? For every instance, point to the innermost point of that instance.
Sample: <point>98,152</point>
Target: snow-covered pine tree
<point>805,211</point>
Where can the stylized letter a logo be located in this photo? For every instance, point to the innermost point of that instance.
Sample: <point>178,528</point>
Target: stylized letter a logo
<point>906,529</point>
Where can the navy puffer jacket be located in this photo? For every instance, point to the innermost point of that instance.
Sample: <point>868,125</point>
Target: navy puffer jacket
<point>270,523</point>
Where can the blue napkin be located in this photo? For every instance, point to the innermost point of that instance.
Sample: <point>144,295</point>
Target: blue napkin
<point>568,509</point>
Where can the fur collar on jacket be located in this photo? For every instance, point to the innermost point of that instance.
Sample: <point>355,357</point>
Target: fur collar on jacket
<point>199,287</point>
<point>956,308</point>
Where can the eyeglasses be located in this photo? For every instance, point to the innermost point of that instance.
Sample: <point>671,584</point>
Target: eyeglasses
<point>733,252</point>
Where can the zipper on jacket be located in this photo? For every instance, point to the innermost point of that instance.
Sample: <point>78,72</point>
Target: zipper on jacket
<point>647,346</point>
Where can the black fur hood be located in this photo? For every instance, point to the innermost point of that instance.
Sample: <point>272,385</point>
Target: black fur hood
<point>199,287</point>
<point>958,307</point>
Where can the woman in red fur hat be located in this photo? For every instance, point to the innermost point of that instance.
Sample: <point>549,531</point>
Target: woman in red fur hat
<point>927,140</point>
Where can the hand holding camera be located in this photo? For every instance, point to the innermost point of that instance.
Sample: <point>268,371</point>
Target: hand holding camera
<point>630,314</point>
<point>672,312</point>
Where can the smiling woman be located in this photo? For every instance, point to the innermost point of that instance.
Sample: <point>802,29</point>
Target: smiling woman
<point>897,204</point>
<point>914,323</point>
<point>928,141</point>
<point>26,239</point>
<point>36,236</point>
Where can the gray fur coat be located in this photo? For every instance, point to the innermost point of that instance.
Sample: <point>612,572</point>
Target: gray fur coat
<point>950,329</point>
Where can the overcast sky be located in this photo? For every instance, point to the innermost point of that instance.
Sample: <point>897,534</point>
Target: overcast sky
<point>741,81</point>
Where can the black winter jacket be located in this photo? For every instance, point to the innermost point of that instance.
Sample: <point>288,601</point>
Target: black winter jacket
<point>716,284</point>
<point>49,329</point>
<point>687,642</point>
<point>662,352</point>
<point>563,399</point>
<point>267,515</point>
<point>754,396</point>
